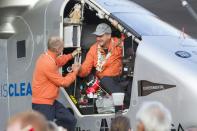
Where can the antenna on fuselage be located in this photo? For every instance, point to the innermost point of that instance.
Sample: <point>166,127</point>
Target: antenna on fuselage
<point>189,8</point>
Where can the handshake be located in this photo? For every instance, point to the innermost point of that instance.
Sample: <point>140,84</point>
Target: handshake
<point>76,51</point>
<point>76,67</point>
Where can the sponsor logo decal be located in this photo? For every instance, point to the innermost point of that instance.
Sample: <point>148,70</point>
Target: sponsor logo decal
<point>183,54</point>
<point>146,87</point>
<point>15,89</point>
<point>104,126</point>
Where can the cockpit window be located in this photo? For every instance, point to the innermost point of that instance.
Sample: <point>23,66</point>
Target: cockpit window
<point>147,25</point>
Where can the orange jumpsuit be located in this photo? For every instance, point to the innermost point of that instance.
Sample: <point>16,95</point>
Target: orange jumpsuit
<point>47,79</point>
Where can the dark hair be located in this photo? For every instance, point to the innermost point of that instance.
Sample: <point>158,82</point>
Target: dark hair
<point>120,123</point>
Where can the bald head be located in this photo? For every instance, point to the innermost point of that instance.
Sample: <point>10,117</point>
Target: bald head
<point>55,44</point>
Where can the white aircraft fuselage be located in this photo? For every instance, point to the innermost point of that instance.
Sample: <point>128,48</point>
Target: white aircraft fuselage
<point>160,65</point>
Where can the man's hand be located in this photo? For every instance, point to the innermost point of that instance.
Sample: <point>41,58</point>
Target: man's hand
<point>76,51</point>
<point>76,67</point>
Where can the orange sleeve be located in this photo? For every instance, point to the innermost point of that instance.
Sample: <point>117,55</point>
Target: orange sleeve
<point>55,77</point>
<point>87,64</point>
<point>63,59</point>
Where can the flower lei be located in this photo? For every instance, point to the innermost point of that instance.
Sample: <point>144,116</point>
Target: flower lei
<point>102,58</point>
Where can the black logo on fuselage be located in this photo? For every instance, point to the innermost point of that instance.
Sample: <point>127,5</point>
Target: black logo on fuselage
<point>146,87</point>
<point>183,54</point>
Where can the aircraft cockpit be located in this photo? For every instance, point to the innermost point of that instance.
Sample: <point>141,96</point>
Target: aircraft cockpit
<point>89,97</point>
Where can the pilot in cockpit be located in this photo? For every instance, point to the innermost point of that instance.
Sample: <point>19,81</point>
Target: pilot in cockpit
<point>105,56</point>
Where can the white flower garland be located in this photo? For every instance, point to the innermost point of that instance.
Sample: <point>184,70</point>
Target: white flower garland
<point>102,58</point>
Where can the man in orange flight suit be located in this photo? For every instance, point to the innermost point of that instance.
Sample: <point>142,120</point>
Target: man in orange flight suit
<point>47,80</point>
<point>106,57</point>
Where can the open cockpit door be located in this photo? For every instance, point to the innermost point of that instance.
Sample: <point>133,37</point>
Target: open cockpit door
<point>80,20</point>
